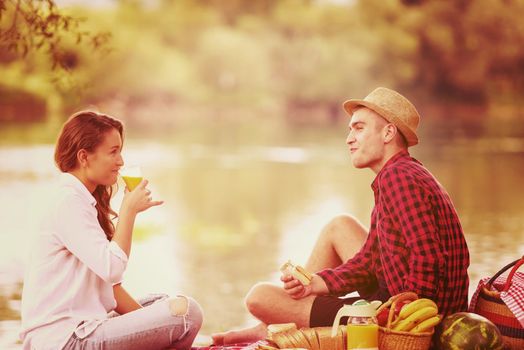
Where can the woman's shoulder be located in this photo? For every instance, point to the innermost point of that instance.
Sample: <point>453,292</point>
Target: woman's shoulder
<point>63,198</point>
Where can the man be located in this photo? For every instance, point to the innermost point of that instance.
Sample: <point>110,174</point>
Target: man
<point>415,242</point>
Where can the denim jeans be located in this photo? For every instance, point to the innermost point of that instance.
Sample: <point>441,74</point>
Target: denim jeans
<point>152,327</point>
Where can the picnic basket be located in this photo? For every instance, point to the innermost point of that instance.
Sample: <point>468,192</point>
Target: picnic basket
<point>389,339</point>
<point>490,304</point>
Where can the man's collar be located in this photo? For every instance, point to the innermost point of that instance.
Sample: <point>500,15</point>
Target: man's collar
<point>401,154</point>
<point>70,180</point>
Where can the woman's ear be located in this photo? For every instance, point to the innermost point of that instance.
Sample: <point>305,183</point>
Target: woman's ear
<point>81,157</point>
<point>390,131</point>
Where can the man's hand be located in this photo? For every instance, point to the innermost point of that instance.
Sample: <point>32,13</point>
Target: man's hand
<point>294,288</point>
<point>297,290</point>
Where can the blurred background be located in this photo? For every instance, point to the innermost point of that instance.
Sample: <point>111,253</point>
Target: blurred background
<point>233,110</point>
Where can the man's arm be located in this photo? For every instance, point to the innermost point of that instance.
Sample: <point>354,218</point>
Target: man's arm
<point>357,274</point>
<point>124,302</point>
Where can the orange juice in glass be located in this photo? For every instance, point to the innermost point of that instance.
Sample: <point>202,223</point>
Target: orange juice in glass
<point>132,176</point>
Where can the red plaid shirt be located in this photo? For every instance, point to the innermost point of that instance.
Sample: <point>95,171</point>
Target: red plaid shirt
<point>415,242</point>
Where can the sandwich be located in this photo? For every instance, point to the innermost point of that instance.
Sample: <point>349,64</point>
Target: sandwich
<point>297,271</point>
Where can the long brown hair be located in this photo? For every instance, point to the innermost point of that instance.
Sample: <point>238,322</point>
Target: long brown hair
<point>86,130</point>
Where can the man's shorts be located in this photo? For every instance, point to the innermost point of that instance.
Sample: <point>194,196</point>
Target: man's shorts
<point>325,308</point>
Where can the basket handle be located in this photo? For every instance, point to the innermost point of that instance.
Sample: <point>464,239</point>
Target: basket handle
<point>512,272</point>
<point>515,264</point>
<point>391,314</point>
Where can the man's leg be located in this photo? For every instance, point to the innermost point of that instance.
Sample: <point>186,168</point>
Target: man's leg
<point>338,241</point>
<point>283,310</point>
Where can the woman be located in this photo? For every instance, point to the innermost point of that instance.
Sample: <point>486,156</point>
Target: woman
<point>75,275</point>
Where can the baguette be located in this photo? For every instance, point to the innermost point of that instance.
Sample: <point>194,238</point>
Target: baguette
<point>284,340</point>
<point>300,340</point>
<point>311,336</point>
<point>325,339</point>
<point>274,329</point>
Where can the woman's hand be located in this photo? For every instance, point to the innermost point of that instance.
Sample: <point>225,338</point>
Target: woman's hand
<point>139,199</point>
<point>133,203</point>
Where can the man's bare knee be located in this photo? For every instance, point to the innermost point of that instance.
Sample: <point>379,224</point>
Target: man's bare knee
<point>345,225</point>
<point>178,306</point>
<point>345,235</point>
<point>257,297</point>
<point>344,222</point>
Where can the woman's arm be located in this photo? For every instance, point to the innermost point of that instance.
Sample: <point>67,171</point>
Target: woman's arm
<point>133,203</point>
<point>124,302</point>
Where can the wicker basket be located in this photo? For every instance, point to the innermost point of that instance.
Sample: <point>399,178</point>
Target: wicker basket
<point>490,305</point>
<point>394,340</point>
<point>389,339</point>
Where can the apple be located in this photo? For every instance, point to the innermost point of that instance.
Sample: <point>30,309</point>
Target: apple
<point>382,317</point>
<point>399,306</point>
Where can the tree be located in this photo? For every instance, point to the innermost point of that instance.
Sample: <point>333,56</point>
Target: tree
<point>39,25</point>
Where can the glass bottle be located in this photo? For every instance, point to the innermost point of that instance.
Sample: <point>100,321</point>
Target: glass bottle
<point>362,327</point>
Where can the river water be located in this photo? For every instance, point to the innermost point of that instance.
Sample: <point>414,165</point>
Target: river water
<point>233,215</point>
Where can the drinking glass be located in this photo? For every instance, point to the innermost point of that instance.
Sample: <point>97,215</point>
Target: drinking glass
<point>132,176</point>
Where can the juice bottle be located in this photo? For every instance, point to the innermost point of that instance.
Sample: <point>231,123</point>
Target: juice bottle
<point>362,327</point>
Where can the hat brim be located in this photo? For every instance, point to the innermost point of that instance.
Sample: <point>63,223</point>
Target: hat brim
<point>410,136</point>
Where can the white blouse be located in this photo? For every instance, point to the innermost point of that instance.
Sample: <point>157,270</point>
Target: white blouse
<point>71,272</point>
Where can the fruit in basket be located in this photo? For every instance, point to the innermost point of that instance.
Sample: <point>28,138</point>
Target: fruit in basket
<point>382,317</point>
<point>400,306</point>
<point>410,314</point>
<point>415,317</point>
<point>414,306</point>
<point>400,300</point>
<point>466,330</point>
<point>427,325</point>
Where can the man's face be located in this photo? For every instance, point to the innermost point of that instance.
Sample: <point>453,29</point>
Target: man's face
<point>366,139</point>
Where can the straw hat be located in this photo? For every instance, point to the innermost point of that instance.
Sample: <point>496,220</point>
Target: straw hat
<point>393,107</point>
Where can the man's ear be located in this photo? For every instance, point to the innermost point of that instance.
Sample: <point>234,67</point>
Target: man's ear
<point>81,157</point>
<point>390,131</point>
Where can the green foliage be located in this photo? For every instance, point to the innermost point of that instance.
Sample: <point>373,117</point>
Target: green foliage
<point>28,25</point>
<point>295,60</point>
<point>38,58</point>
<point>468,47</point>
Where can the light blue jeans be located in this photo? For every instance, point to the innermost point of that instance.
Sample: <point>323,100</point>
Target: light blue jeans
<point>152,327</point>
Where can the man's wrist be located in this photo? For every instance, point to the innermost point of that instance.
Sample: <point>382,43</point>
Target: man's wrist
<point>318,286</point>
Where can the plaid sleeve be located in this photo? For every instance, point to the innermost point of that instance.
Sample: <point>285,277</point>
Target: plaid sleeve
<point>357,274</point>
<point>411,206</point>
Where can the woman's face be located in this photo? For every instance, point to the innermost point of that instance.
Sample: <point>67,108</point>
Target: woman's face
<point>104,163</point>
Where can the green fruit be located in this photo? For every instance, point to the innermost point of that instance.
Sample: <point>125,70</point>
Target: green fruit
<point>468,331</point>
